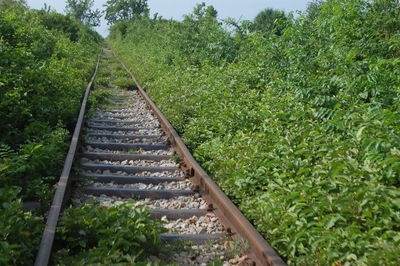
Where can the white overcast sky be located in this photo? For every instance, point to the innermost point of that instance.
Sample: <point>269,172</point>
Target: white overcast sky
<point>238,9</point>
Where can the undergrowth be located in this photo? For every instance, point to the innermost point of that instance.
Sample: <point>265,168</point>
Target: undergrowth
<point>119,234</point>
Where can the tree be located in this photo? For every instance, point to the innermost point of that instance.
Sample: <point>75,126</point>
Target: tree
<point>82,11</point>
<point>8,3</point>
<point>117,10</point>
<point>314,7</point>
<point>267,21</point>
<point>202,11</point>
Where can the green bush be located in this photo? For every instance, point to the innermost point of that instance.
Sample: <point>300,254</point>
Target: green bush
<point>124,83</point>
<point>20,231</point>
<point>43,74</point>
<point>117,234</point>
<point>98,97</point>
<point>36,166</point>
<point>101,82</point>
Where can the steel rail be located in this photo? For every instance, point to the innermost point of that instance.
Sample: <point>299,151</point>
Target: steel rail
<point>46,244</point>
<point>261,252</point>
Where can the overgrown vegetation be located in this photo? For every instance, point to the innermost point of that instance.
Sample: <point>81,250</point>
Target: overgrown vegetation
<point>300,127</point>
<point>82,10</point>
<point>108,235</point>
<point>117,10</point>
<point>45,61</point>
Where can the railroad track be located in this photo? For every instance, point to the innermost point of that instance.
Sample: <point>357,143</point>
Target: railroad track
<point>131,152</point>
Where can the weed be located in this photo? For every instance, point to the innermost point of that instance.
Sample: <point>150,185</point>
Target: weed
<point>175,158</point>
<point>112,233</point>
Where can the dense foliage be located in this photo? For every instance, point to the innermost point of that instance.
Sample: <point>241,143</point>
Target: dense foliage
<point>45,61</point>
<point>19,230</point>
<point>82,10</point>
<point>107,235</point>
<point>301,129</point>
<point>117,10</point>
<point>266,21</point>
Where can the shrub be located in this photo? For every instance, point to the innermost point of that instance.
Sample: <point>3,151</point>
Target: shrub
<point>93,233</point>
<point>20,230</point>
<point>124,83</point>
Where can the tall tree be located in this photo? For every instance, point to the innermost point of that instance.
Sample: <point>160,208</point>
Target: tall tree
<point>266,21</point>
<point>202,11</point>
<point>7,3</point>
<point>125,10</point>
<point>82,11</point>
<point>314,7</point>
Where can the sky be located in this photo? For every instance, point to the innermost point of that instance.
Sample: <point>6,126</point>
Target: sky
<point>238,9</point>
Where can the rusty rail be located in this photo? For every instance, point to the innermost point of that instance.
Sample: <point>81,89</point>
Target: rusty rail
<point>46,244</point>
<point>261,252</point>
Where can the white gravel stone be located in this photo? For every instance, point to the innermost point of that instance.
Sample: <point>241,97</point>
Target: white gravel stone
<point>162,163</point>
<point>195,225</point>
<point>149,132</point>
<point>169,151</point>
<point>158,140</point>
<point>174,185</point>
<point>182,202</point>
<point>176,174</point>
